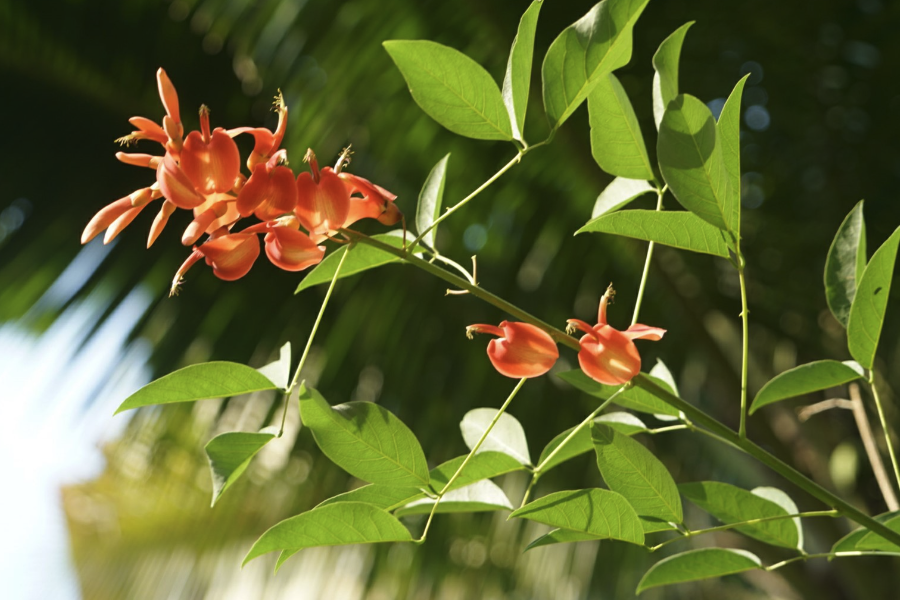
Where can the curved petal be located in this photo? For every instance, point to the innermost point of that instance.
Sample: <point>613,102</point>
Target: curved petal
<point>644,332</point>
<point>211,167</point>
<point>608,356</point>
<point>168,95</point>
<point>292,250</point>
<point>231,256</point>
<point>201,223</point>
<point>322,206</point>
<point>524,351</point>
<point>159,223</point>
<point>123,221</point>
<point>105,217</point>
<point>175,185</point>
<point>281,197</point>
<point>254,191</point>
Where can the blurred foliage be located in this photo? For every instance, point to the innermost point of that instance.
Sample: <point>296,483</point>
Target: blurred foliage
<point>75,70</point>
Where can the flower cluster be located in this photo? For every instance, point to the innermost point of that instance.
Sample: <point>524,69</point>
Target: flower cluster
<point>201,172</point>
<point>606,354</point>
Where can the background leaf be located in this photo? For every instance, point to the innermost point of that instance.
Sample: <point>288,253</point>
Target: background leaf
<point>631,470</point>
<point>484,465</point>
<point>728,131</point>
<point>517,80</point>
<point>230,453</point>
<point>365,439</point>
<point>431,199</point>
<point>870,303</point>
<point>481,496</point>
<point>507,436</point>
<point>623,422</point>
<point>635,398</point>
<point>597,512</point>
<point>452,89</point>
<point>665,71</point>
<point>383,496</point>
<point>619,193</point>
<point>199,382</point>
<point>362,258</point>
<point>694,565</point>
<point>279,372</point>
<point>811,377</point>
<point>617,143</point>
<point>845,264</point>
<point>679,229</point>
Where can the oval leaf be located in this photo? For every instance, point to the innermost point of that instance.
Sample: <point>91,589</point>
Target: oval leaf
<point>845,264</point>
<point>199,382</point>
<point>678,229</point>
<point>362,258</point>
<point>665,67</point>
<point>561,536</point>
<point>731,504</point>
<point>230,453</point>
<point>618,194</point>
<point>635,398</point>
<point>365,439</point>
<point>430,199</point>
<point>631,470</point>
<point>452,89</point>
<point>507,436</point>
<point>623,422</point>
<point>517,80</point>
<point>597,44</point>
<point>695,565</point>
<point>728,131</point>
<point>481,496</point>
<point>387,497</point>
<point>870,303</point>
<point>811,377</point>
<point>484,465</point>
<point>332,525</point>
<point>601,513</point>
<point>616,140</point>
<point>849,542</point>
<point>279,372</point>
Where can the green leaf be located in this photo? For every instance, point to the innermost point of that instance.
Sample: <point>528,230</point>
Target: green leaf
<point>230,453</point>
<point>870,303</point>
<point>873,541</point>
<point>631,470</point>
<point>362,258</point>
<point>517,80</point>
<point>332,525</point>
<point>679,229</point>
<point>619,193</point>
<point>597,44</point>
<point>811,377</point>
<point>430,200</point>
<point>597,512</point>
<point>690,158</point>
<point>452,89</point>
<point>279,372</point>
<point>849,542</point>
<point>661,372</point>
<point>562,536</point>
<point>366,440</point>
<point>728,131</point>
<point>651,525</point>
<point>616,140</point>
<point>731,504</point>
<point>623,422</point>
<point>383,496</point>
<point>507,436</point>
<point>199,382</point>
<point>484,465</point>
<point>665,71</point>
<point>481,496</point>
<point>845,264</point>
<point>635,398</point>
<point>694,565</point>
<point>781,498</point>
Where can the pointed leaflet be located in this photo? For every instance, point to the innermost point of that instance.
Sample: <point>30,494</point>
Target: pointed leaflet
<point>481,496</point>
<point>616,140</point>
<point>634,398</point>
<point>873,541</point>
<point>365,439</point>
<point>507,436</point>
<point>484,465</point>
<point>618,193</point>
<point>597,512</point>
<point>731,504</point>
<point>362,258</point>
<point>665,67</point>
<point>518,70</point>
<point>452,89</point>
<point>383,496</point>
<point>279,372</point>
<point>678,229</point>
<point>870,303</point>
<point>728,131</point>
<point>811,377</point>
<point>597,44</point>
<point>784,501</point>
<point>690,158</point>
<point>230,453</point>
<point>623,422</point>
<point>631,470</point>
<point>430,200</point>
<point>332,525</point>
<point>199,382</point>
<point>845,264</point>
<point>849,542</point>
<point>695,565</point>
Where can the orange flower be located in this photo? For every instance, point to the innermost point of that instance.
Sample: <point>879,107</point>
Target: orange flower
<point>375,202</point>
<point>270,192</point>
<point>211,161</point>
<point>608,355</point>
<point>323,201</point>
<point>266,142</point>
<point>521,350</point>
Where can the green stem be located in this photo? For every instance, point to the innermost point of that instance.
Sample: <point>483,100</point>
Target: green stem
<point>806,557</point>
<point>745,351</point>
<point>456,475</point>
<point>646,273</point>
<point>884,426</point>
<point>309,341</point>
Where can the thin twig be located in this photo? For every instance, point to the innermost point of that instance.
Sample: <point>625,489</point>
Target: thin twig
<point>865,432</point>
<point>805,412</point>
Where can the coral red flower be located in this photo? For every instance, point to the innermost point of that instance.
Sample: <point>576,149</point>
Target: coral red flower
<point>521,350</point>
<point>270,192</point>
<point>266,142</point>
<point>375,202</point>
<point>291,249</point>
<point>232,255</point>
<point>323,202</point>
<point>608,355</point>
<point>211,161</point>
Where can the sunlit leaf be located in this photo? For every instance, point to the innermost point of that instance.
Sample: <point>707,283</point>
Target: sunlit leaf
<point>634,472</point>
<point>597,512</point>
<point>811,377</point>
<point>199,382</point>
<point>383,496</point>
<point>617,143</point>
<point>517,80</point>
<point>635,398</point>
<point>870,303</point>
<point>430,200</point>
<point>845,264</point>
<point>332,525</point>
<point>229,455</point>
<point>581,442</point>
<point>279,372</point>
<point>452,89</point>
<point>665,71</point>
<point>483,465</point>
<point>651,525</point>
<point>480,496</point>
<point>661,372</point>
<point>562,536</point>
<point>362,258</point>
<point>507,436</point>
<point>619,193</point>
<point>694,565</point>
<point>366,440</point>
<point>728,131</point>
<point>678,229</point>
